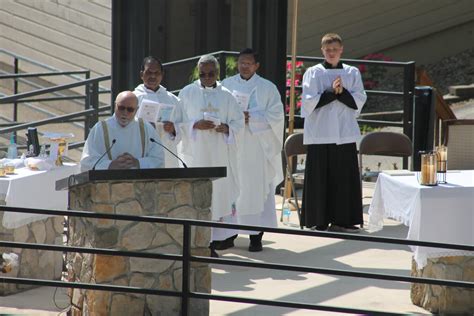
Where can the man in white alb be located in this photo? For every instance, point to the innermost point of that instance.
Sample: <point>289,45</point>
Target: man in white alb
<point>122,141</point>
<point>211,127</point>
<point>259,157</point>
<point>151,90</point>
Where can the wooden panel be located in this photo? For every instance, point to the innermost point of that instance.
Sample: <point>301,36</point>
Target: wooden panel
<point>54,39</point>
<point>72,16</point>
<point>20,48</point>
<point>87,8</point>
<point>370,26</point>
<point>61,25</point>
<point>104,3</point>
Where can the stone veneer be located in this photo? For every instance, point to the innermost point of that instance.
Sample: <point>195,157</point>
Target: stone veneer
<point>34,264</point>
<point>445,299</point>
<point>190,199</point>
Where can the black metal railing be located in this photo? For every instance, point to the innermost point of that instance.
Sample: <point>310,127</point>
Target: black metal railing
<point>89,99</point>
<point>92,90</point>
<point>186,258</point>
<point>90,114</point>
<point>406,94</point>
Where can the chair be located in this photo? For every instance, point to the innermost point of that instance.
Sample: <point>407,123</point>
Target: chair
<point>293,147</point>
<point>459,138</point>
<point>384,144</point>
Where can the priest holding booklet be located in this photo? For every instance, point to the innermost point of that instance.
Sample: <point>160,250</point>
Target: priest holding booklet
<point>212,124</point>
<point>122,141</point>
<point>159,107</point>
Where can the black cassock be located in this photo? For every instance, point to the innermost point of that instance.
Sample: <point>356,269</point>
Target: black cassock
<point>332,190</point>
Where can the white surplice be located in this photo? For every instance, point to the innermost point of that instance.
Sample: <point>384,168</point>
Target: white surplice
<point>335,122</point>
<point>127,139</point>
<point>259,157</point>
<point>170,141</point>
<point>208,148</point>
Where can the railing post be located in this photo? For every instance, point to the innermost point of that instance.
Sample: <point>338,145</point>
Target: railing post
<point>93,98</point>
<point>15,91</point>
<point>186,269</point>
<point>87,102</point>
<point>408,100</point>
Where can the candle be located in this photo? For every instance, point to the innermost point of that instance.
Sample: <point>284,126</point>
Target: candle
<point>442,153</point>
<point>428,174</point>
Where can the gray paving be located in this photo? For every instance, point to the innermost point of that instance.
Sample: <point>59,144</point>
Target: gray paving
<point>286,286</point>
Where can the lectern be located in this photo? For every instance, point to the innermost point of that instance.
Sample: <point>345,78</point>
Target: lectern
<point>171,192</point>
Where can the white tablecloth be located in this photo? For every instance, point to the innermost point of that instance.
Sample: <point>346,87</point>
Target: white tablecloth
<point>442,213</point>
<point>34,189</point>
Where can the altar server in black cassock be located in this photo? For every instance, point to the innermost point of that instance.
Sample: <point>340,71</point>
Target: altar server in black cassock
<point>332,98</point>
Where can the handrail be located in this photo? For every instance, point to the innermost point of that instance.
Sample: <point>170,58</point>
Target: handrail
<point>33,62</point>
<point>23,95</point>
<point>42,74</point>
<point>59,118</point>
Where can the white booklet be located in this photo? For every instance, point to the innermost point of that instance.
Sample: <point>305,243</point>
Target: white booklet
<point>155,112</point>
<point>211,116</point>
<point>165,112</point>
<point>242,99</point>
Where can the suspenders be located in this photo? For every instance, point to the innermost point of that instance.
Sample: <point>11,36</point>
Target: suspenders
<point>105,129</point>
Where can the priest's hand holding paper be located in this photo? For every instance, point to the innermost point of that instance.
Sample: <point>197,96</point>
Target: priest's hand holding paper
<point>223,128</point>
<point>125,161</point>
<point>204,125</point>
<point>169,127</point>
<point>246,114</point>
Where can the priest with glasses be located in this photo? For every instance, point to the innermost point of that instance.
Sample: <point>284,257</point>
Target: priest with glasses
<point>122,141</point>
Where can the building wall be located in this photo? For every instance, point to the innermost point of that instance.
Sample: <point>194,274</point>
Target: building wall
<point>421,30</point>
<point>76,34</point>
<point>65,34</point>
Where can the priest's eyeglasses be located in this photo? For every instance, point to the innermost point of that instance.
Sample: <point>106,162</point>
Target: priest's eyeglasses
<point>122,108</point>
<point>211,74</point>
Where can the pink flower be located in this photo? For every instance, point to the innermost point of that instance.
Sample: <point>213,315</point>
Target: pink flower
<point>298,104</point>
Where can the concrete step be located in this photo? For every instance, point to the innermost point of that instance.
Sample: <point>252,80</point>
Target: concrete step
<point>462,91</point>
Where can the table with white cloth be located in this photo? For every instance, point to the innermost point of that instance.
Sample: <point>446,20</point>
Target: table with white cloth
<point>442,213</point>
<point>28,188</point>
<point>34,189</point>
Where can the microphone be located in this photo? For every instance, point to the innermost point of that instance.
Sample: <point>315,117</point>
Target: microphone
<point>154,141</point>
<point>106,152</point>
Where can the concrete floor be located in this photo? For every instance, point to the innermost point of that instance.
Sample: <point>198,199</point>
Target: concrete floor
<point>289,286</point>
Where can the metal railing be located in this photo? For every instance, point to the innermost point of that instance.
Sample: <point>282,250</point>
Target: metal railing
<point>91,91</point>
<point>406,95</point>
<point>187,258</point>
<point>89,99</point>
<point>90,113</point>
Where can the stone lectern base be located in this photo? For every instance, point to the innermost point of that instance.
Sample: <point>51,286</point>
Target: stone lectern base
<point>177,198</point>
<point>445,299</point>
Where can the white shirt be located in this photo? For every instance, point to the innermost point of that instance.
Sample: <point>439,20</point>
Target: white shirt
<point>170,141</point>
<point>259,156</point>
<point>127,139</point>
<point>208,148</point>
<point>334,122</point>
